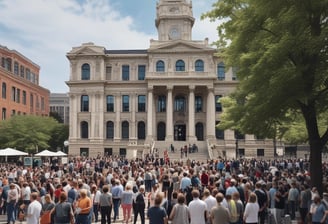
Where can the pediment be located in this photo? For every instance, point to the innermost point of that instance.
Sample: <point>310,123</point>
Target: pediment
<point>179,45</point>
<point>87,49</point>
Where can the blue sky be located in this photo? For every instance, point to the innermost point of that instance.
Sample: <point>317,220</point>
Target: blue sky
<point>45,30</point>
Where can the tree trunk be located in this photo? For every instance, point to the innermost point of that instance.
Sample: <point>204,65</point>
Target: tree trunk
<point>316,164</point>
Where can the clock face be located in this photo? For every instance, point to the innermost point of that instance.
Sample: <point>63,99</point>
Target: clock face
<point>174,33</point>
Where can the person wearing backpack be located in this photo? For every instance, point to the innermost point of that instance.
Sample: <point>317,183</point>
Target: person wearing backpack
<point>139,205</point>
<point>262,200</point>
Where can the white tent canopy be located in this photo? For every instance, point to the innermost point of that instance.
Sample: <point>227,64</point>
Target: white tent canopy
<point>60,153</point>
<point>46,153</point>
<point>12,152</point>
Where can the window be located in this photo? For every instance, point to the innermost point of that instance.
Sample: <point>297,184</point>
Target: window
<point>125,130</point>
<point>110,103</point>
<point>22,71</point>
<point>108,72</point>
<point>4,113</point>
<point>161,106</point>
<point>198,104</point>
<point>125,72</point>
<point>199,66</point>
<point>234,73</point>
<point>16,68</point>
<point>221,71</point>
<point>160,66</point>
<point>18,91</point>
<point>199,132</point>
<point>84,129</point>
<point>141,72</point>
<point>161,130</point>
<point>125,103</point>
<point>110,130</point>
<point>122,152</point>
<point>180,66</point>
<point>239,135</point>
<point>141,130</point>
<point>24,97</point>
<point>84,152</point>
<point>141,103</point>
<point>6,63</point>
<point>28,74</point>
<point>13,94</point>
<point>180,104</point>
<point>84,103</point>
<point>4,90</point>
<point>219,134</point>
<point>31,101</point>
<point>218,106</point>
<point>108,151</point>
<point>42,104</point>
<point>260,152</point>
<point>85,72</point>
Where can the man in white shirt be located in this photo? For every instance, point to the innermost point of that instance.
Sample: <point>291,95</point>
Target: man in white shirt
<point>197,209</point>
<point>33,210</point>
<point>210,201</point>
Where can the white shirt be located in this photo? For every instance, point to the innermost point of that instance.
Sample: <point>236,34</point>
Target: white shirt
<point>197,209</point>
<point>210,202</point>
<point>33,212</point>
<point>251,212</point>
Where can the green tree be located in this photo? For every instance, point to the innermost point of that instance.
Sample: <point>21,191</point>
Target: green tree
<point>28,133</point>
<point>56,116</point>
<point>280,51</point>
<point>59,134</point>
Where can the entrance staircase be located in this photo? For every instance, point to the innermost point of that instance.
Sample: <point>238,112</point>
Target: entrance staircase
<point>201,155</point>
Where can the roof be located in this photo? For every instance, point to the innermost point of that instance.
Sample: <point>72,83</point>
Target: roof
<point>142,51</point>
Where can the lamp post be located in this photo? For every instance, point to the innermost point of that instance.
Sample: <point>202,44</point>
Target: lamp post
<point>236,147</point>
<point>66,144</point>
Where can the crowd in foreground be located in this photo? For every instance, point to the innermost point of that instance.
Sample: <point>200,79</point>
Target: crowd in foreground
<point>221,191</point>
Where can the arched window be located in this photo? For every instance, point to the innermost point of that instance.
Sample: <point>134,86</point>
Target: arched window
<point>180,104</point>
<point>199,132</point>
<point>141,130</point>
<point>4,90</point>
<point>161,131</point>
<point>125,130</point>
<point>84,129</point>
<point>85,73</point>
<point>84,103</point>
<point>160,66</point>
<point>221,71</point>
<point>110,130</point>
<point>199,66</point>
<point>180,66</point>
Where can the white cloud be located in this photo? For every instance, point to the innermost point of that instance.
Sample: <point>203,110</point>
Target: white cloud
<point>45,30</point>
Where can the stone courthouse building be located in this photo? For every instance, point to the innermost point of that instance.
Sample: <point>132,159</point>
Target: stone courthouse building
<point>127,102</point>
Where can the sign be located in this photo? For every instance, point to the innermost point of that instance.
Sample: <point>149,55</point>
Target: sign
<point>28,161</point>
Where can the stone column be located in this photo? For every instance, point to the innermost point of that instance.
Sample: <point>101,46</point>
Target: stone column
<point>118,106</point>
<point>169,115</point>
<point>150,114</point>
<point>74,124</point>
<point>191,117</point>
<point>210,114</point>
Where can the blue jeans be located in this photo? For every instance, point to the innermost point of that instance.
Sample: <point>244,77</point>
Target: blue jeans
<point>11,212</point>
<point>95,211</point>
<point>116,203</point>
<point>82,219</point>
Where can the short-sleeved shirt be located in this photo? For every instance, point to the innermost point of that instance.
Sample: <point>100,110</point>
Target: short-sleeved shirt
<point>156,215</point>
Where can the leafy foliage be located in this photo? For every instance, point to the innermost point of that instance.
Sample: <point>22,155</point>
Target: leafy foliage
<point>28,133</point>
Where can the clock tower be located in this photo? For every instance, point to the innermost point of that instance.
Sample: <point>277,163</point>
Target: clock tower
<point>174,20</point>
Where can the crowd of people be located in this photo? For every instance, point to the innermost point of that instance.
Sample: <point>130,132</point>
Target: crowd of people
<point>222,191</point>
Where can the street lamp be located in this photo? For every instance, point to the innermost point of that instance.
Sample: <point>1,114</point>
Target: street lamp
<point>66,144</point>
<point>237,148</point>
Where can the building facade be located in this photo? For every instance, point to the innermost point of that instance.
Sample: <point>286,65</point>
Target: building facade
<point>59,103</point>
<point>125,102</point>
<point>21,93</point>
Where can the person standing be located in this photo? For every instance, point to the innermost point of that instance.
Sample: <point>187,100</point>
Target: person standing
<point>180,212</point>
<point>126,201</point>
<point>117,191</point>
<point>251,210</point>
<point>262,200</point>
<point>33,210</point>
<point>156,213</point>
<point>63,212</point>
<point>83,205</point>
<point>293,198</point>
<point>139,205</point>
<point>197,209</point>
<point>106,204</point>
<point>12,199</point>
<point>219,214</point>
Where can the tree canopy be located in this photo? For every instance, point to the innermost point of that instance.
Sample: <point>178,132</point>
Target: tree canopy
<point>31,133</point>
<point>279,49</point>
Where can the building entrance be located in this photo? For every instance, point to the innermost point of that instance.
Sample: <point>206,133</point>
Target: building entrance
<point>180,132</point>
